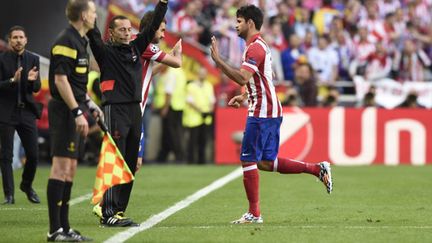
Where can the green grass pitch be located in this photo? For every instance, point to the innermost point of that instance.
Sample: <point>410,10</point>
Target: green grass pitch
<point>368,204</point>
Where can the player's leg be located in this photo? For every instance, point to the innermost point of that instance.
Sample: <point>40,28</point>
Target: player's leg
<point>250,154</point>
<point>321,170</point>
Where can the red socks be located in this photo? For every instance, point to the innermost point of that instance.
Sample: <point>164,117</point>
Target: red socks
<point>251,185</point>
<point>290,166</point>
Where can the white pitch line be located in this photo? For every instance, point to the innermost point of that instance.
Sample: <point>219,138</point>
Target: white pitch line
<point>80,199</point>
<point>155,219</point>
<point>310,227</point>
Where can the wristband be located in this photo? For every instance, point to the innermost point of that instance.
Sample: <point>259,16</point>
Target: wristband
<point>11,80</point>
<point>164,1</point>
<point>77,112</point>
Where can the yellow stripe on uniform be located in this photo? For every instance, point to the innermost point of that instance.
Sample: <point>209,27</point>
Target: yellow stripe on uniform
<point>81,69</point>
<point>65,51</point>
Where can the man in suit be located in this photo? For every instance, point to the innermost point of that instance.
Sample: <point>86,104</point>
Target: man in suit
<point>19,79</point>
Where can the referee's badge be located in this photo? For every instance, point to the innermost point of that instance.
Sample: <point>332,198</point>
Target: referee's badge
<point>71,147</point>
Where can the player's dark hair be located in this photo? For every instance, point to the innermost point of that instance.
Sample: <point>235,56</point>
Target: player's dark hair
<point>15,28</point>
<point>251,12</point>
<point>147,19</point>
<point>112,23</point>
<point>74,8</point>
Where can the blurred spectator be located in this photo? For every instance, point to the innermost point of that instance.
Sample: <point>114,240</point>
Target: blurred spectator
<point>324,61</point>
<point>303,25</point>
<point>410,101</point>
<point>411,64</point>
<point>291,96</point>
<point>290,56</point>
<point>378,64</point>
<point>185,24</point>
<point>172,88</point>
<point>351,12</point>
<point>342,43</point>
<point>306,84</point>
<point>332,98</point>
<point>373,24</point>
<point>198,116</point>
<point>363,48</point>
<point>274,36</point>
<point>311,5</point>
<point>386,7</point>
<point>323,17</point>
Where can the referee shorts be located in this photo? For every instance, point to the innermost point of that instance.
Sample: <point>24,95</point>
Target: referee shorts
<point>65,140</point>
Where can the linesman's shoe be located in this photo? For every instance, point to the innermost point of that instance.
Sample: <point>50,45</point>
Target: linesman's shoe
<point>133,224</point>
<point>117,221</point>
<point>60,236</point>
<point>97,210</point>
<point>77,235</point>
<point>248,218</point>
<point>325,176</point>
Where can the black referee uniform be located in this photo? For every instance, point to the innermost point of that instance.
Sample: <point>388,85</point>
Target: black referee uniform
<point>68,57</point>
<point>121,76</point>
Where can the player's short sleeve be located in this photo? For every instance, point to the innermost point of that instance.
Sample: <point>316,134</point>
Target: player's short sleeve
<point>254,57</point>
<point>63,56</point>
<point>153,53</point>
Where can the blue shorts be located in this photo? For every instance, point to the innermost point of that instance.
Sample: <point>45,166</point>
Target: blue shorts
<point>142,143</point>
<point>261,139</point>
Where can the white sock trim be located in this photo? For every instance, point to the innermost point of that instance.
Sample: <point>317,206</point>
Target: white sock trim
<point>275,164</point>
<point>250,167</point>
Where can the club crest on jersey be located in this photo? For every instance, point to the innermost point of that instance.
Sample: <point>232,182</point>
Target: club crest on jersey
<point>154,48</point>
<point>251,61</point>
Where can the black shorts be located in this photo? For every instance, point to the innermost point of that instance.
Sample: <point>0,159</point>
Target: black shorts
<point>65,141</point>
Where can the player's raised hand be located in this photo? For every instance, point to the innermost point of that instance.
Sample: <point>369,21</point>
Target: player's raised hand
<point>178,46</point>
<point>214,50</point>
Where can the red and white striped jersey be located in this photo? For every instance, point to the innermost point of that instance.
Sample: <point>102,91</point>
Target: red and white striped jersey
<point>151,54</point>
<point>262,98</point>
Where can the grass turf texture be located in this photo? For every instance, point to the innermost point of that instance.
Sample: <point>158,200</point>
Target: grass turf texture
<point>369,204</point>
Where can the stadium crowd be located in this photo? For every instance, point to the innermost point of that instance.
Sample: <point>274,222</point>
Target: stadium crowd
<point>316,43</point>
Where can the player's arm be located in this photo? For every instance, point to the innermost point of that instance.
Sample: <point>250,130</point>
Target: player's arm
<point>174,57</point>
<point>239,76</point>
<point>146,35</point>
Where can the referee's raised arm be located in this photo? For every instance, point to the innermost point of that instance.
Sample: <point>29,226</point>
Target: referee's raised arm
<point>97,45</point>
<point>146,35</point>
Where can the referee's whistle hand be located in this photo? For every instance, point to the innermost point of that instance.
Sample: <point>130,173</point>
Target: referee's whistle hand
<point>81,125</point>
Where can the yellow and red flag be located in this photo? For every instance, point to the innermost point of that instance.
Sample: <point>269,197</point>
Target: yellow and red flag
<point>112,169</point>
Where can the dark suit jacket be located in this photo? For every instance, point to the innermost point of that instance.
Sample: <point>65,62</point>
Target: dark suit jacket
<point>9,91</point>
